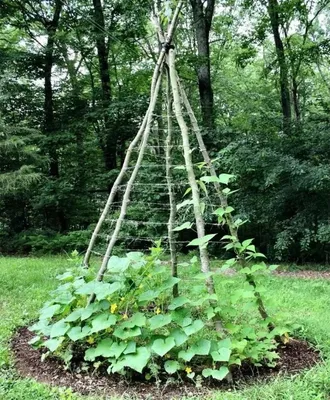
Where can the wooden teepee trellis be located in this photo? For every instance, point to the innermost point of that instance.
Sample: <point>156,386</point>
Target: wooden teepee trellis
<point>176,94</point>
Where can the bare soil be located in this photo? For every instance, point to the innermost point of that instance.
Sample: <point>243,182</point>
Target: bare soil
<point>294,357</point>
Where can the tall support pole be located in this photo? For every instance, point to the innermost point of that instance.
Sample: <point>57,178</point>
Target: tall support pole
<point>171,194</point>
<point>205,262</point>
<point>223,199</point>
<point>113,191</point>
<point>126,197</point>
<point>153,97</point>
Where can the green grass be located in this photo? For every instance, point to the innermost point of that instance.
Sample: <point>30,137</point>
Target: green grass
<point>26,282</point>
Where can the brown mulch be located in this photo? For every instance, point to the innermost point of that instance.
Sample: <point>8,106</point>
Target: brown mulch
<point>305,274</point>
<point>294,357</point>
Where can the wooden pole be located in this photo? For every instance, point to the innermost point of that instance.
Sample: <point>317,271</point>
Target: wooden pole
<point>205,263</point>
<point>155,80</point>
<point>223,199</point>
<point>128,190</point>
<point>171,194</point>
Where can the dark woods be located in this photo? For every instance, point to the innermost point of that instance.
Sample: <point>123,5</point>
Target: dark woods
<point>75,79</point>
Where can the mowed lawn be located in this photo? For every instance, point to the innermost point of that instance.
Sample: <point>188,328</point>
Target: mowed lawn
<point>26,282</point>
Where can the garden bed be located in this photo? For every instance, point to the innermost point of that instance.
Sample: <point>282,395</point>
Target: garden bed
<point>294,357</point>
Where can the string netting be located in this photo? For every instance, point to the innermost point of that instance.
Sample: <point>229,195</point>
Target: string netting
<point>148,210</point>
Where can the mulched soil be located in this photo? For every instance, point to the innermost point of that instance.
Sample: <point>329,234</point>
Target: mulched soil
<point>294,357</point>
<point>307,274</point>
<point>304,274</point>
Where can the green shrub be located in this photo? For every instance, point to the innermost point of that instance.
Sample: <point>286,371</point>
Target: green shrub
<point>48,242</point>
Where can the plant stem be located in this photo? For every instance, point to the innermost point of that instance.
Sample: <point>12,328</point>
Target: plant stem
<point>223,199</point>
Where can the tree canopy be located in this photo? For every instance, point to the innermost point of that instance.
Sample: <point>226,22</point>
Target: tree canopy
<point>75,78</point>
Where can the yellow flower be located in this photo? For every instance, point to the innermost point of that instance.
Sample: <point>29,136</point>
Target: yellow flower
<point>158,310</point>
<point>113,308</point>
<point>122,298</point>
<point>188,370</point>
<point>285,338</point>
<point>90,340</point>
<point>125,316</point>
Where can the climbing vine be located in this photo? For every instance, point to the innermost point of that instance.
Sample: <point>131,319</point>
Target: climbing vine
<point>135,323</point>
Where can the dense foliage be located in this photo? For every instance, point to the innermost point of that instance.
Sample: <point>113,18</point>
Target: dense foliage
<point>74,80</point>
<point>134,323</point>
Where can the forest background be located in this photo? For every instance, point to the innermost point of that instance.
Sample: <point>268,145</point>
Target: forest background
<point>75,78</point>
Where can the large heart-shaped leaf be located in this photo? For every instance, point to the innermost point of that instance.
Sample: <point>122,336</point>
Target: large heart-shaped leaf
<point>89,310</point>
<point>168,283</point>
<point>222,354</point>
<point>203,241</point>
<point>107,349</point>
<point>74,316</point>
<point>102,322</point>
<point>103,349</point>
<point>159,321</point>
<point>49,311</point>
<point>66,276</point>
<point>224,343</point>
<point>137,319</point>
<point>117,265</point>
<point>107,290</point>
<point>172,366</point>
<point>64,298</point>
<point>186,355</point>
<point>209,179</point>
<point>219,374</point>
<point>196,326</point>
<point>131,348</point>
<point>90,288</point>
<point>78,333</point>
<point>42,326</point>
<point>202,347</point>
<point>178,302</point>
<point>225,178</point>
<point>186,321</point>
<point>53,344</point>
<point>179,336</point>
<point>60,328</point>
<point>136,361</point>
<point>117,349</point>
<point>123,333</point>
<point>163,346</point>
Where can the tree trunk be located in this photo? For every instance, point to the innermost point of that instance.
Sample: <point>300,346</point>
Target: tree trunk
<point>109,143</point>
<point>49,121</point>
<point>273,12</point>
<point>80,107</point>
<point>202,18</point>
<point>295,98</point>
